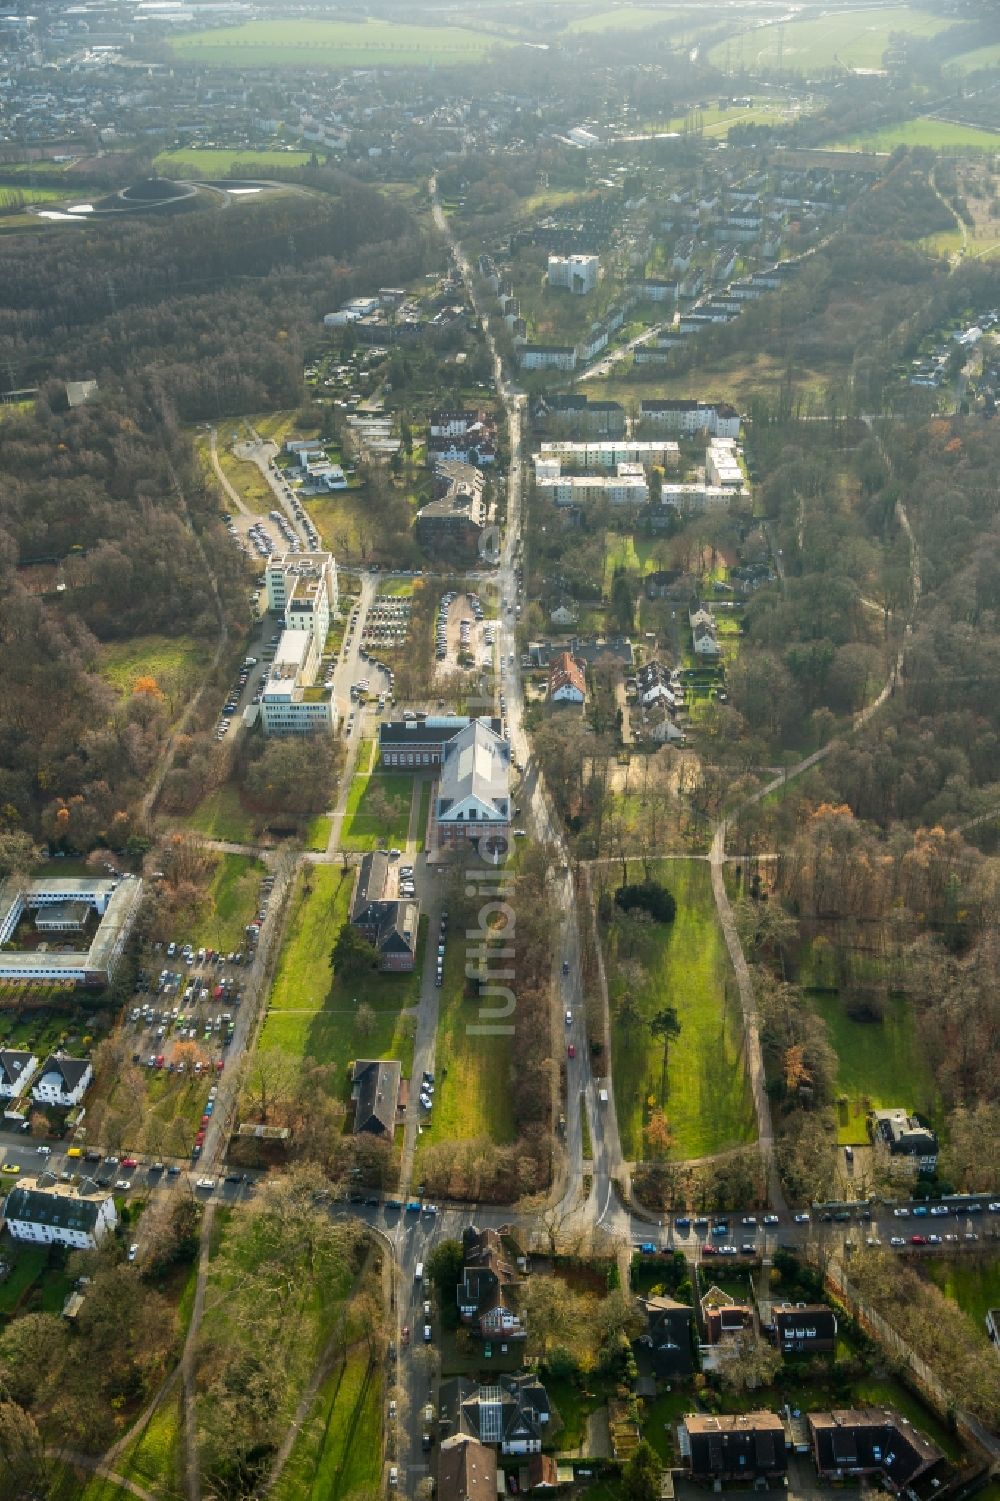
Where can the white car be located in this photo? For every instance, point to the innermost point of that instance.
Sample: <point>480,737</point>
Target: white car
<point>569,1017</point>
<point>133,1250</point>
<point>206,1183</point>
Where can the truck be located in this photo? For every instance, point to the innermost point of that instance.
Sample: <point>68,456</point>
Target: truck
<point>602,1095</point>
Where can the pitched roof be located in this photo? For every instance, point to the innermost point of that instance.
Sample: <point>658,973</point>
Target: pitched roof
<point>67,1071</point>
<point>467,1470</point>
<point>398,930</point>
<point>376,1092</point>
<point>476,765</point>
<point>13,1063</point>
<point>565,673</point>
<point>373,877</point>
<point>43,1207</point>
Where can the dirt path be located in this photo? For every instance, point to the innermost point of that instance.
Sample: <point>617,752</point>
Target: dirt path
<point>98,1467</point>
<point>192,1470</point>
<point>232,494</point>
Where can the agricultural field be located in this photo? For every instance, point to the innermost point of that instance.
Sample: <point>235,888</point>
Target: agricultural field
<point>173,662</point>
<point>846,38</point>
<point>312,1012</point>
<point>334,44</point>
<point>939,135</point>
<point>472,1096</point>
<point>377,812</point>
<point>972,1283</point>
<point>204,162</point>
<point>685,965</point>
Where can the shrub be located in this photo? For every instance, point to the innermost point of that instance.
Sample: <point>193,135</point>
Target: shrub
<point>647,896</point>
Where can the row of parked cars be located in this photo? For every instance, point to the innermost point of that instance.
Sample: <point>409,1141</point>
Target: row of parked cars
<point>232,702</point>
<point>442,942</point>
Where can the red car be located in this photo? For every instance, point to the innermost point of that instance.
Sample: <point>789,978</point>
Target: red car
<point>219,1066</point>
<point>200,1137</point>
<point>708,1250</point>
<point>918,1240</point>
<point>406,1334</point>
<point>160,1060</point>
<point>571,1050</point>
<point>130,1162</point>
<point>205,1119</point>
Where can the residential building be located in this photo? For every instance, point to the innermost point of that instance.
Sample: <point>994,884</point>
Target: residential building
<point>567,684</point>
<point>585,649</point>
<point>693,496</point>
<point>804,1327</point>
<point>722,465</point>
<point>513,1413</point>
<point>55,1216</point>
<point>563,616</point>
<point>114,903</point>
<point>626,486</point>
<point>723,1317</point>
<point>576,273</point>
<point>421,740</point>
<point>16,1068</point>
<point>454,424</point>
<point>686,416</point>
<point>546,357</point>
<point>872,1441</point>
<point>375,1091</point>
<point>455,520</point>
<point>467,1470</point>
<point>608,453</point>
<point>473,793</point>
<point>913,1144</point>
<point>486,1287</point>
<point>659,291</point>
<point>570,413</point>
<point>667,1336</point>
<point>388,921</point>
<point>734,1446</point>
<point>62,1080</point>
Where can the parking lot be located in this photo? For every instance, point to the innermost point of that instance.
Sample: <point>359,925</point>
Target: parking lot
<point>463,636</point>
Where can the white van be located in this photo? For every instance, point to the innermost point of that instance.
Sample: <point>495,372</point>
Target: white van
<point>418,1275</point>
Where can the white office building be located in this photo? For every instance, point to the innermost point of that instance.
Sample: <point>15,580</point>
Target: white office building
<point>303,587</point>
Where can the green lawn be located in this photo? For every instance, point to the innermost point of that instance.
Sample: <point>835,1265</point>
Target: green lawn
<point>230,904</point>
<point>708,1104</point>
<point>339,1448</point>
<point>367,825</point>
<point>29,1262</point>
<point>197,161</point>
<point>473,1072</point>
<point>843,38</point>
<point>981,57</point>
<point>634,553</point>
<point>423,813</point>
<point>309,1016</point>
<point>939,135</point>
<point>879,1063</point>
<point>174,661</point>
<point>221,815</point>
<point>318,833</point>
<point>155,1460</point>
<point>972,1283</point>
<point>334,44</point>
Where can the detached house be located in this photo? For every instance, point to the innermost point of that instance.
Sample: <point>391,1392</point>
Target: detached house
<point>62,1081</point>
<point>375,1091</point>
<point>16,1068</point>
<point>804,1327</point>
<point>467,1470</point>
<point>668,1336</point>
<point>484,1291</point>
<point>513,1414</point>
<point>389,922</point>
<point>873,1441</point>
<point>724,1318</point>
<point>567,684</point>
<point>911,1145</point>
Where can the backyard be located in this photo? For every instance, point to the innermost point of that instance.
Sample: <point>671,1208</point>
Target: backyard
<point>683,964</point>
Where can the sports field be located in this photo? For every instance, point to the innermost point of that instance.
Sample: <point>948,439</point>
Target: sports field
<point>200,161</point>
<point>850,39</point>
<point>938,135</point>
<point>334,44</point>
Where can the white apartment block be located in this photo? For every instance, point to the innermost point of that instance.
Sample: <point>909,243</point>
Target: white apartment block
<point>688,417</point>
<point>53,1217</point>
<point>547,357</point>
<point>303,587</point>
<point>608,453</point>
<point>722,465</point>
<point>627,486</point>
<point>576,273</point>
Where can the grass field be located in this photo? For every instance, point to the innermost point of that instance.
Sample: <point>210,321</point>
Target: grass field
<point>707,1103</point>
<point>634,553</point>
<point>231,903</point>
<point>199,161</point>
<point>850,39</point>
<point>221,815</point>
<point>631,18</point>
<point>154,1461</point>
<point>879,1064</point>
<point>318,833</point>
<point>367,824</point>
<point>334,44</point>
<point>245,478</point>
<point>11,194</point>
<point>311,1018</point>
<point>973,1284</point>
<point>938,135</point>
<point>172,660</point>
<point>473,1095</point>
<point>339,1448</point>
<point>981,57</point>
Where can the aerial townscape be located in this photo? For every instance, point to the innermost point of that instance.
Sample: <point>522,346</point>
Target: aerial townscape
<point>499,750</point>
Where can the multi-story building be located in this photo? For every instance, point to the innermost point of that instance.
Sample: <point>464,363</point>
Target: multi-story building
<point>62,1080</point>
<point>570,413</point>
<point>576,273</point>
<point>68,906</point>
<point>57,1217</point>
<point>421,739</point>
<point>911,1144</point>
<point>455,520</point>
<point>303,588</point>
<point>688,417</point>
<point>473,793</point>
<point>626,487</point>
<point>608,453</point>
<point>546,357</point>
